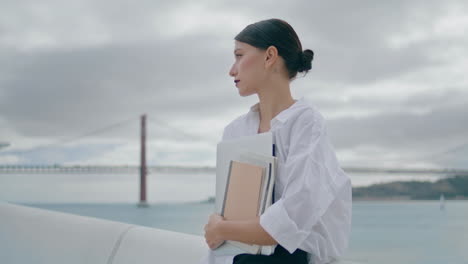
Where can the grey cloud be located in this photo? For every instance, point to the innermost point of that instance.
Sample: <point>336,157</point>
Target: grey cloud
<point>56,91</point>
<point>419,102</point>
<point>77,86</point>
<point>438,129</point>
<point>351,39</point>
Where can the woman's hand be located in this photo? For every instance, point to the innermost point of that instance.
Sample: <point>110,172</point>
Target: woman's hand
<point>212,235</point>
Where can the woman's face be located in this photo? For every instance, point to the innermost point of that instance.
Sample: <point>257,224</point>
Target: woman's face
<point>248,68</point>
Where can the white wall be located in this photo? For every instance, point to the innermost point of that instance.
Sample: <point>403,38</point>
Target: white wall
<point>31,235</point>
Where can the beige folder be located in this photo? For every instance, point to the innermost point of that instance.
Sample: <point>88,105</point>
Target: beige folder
<point>243,191</point>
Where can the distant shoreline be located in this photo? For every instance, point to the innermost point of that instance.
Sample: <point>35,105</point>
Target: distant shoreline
<point>452,188</point>
<point>399,198</point>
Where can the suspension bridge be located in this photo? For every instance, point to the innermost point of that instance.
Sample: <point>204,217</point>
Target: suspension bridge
<point>98,169</point>
<point>54,167</point>
<point>143,169</point>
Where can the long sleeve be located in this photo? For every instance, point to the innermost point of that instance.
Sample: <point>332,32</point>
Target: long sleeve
<point>329,237</point>
<point>303,216</point>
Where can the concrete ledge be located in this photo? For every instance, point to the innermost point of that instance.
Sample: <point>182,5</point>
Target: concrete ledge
<point>31,235</point>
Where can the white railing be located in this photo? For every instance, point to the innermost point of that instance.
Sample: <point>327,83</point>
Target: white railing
<point>31,235</point>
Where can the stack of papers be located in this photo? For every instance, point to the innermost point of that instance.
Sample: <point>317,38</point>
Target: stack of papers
<point>245,176</point>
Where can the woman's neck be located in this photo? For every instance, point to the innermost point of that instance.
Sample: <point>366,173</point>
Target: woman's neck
<point>272,101</point>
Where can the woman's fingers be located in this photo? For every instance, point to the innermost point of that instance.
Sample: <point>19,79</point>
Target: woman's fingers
<point>211,237</point>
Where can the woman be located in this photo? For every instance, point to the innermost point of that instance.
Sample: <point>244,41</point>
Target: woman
<point>311,217</point>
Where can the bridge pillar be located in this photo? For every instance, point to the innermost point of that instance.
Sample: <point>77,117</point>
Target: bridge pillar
<point>143,169</point>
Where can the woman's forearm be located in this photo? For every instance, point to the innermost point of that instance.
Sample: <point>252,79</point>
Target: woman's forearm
<point>249,231</point>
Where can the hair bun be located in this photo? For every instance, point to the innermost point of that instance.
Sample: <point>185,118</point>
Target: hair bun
<point>305,62</point>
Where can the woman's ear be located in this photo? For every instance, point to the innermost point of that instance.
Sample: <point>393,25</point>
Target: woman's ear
<point>271,56</point>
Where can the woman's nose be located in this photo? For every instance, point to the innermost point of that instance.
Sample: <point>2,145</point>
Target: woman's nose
<point>232,71</point>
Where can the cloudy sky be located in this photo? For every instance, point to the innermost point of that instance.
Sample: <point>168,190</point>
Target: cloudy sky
<point>389,77</point>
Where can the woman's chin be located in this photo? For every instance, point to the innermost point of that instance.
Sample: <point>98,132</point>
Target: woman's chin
<point>245,93</point>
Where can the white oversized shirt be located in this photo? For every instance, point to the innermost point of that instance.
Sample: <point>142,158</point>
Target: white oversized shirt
<point>312,209</point>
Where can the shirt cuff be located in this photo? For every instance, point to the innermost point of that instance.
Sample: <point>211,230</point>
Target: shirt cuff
<point>277,223</point>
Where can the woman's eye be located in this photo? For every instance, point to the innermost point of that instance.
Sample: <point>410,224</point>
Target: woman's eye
<point>238,55</point>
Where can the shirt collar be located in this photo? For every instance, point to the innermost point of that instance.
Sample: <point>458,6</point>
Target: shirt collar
<point>284,115</point>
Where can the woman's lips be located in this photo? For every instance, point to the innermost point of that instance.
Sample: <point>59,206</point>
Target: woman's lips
<point>236,81</point>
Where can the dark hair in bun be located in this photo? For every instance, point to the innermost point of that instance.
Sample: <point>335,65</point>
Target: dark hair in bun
<point>278,33</point>
<point>306,60</point>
